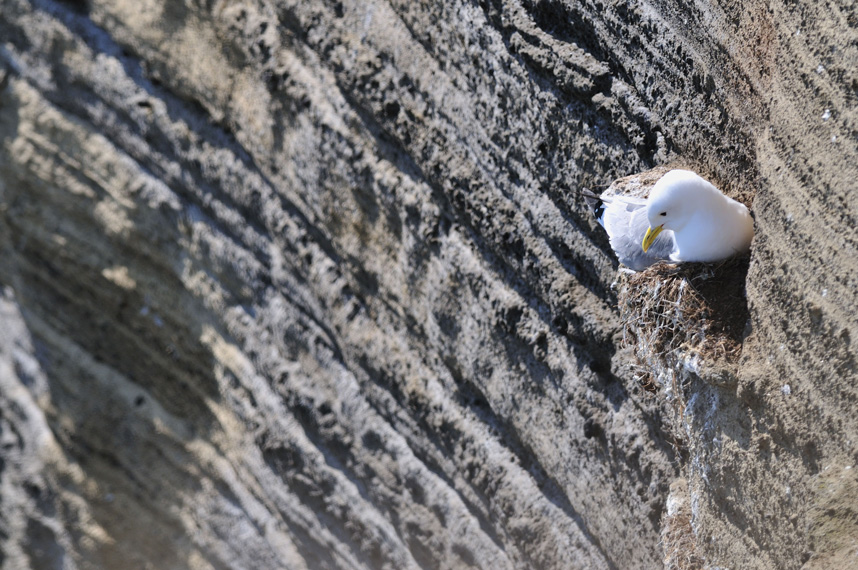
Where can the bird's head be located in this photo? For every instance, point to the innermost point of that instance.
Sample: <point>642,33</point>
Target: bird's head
<point>672,202</point>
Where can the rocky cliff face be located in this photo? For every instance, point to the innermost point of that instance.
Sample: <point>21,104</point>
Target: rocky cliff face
<point>306,284</point>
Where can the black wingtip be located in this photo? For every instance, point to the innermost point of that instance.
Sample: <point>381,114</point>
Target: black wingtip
<point>595,203</point>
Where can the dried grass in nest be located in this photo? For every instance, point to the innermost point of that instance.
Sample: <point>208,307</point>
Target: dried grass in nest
<point>679,543</point>
<point>685,318</point>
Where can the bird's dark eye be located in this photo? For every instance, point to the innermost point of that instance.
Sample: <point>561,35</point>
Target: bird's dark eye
<point>663,214</point>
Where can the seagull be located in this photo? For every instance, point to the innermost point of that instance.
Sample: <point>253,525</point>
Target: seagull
<point>684,219</point>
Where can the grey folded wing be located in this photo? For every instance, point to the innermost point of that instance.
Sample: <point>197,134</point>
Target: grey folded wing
<point>626,223</point>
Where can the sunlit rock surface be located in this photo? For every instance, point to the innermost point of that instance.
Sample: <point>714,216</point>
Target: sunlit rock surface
<point>307,284</point>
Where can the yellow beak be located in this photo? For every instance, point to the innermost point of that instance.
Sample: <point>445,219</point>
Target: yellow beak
<point>650,236</point>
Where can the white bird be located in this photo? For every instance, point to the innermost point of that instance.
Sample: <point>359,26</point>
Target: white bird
<point>685,218</point>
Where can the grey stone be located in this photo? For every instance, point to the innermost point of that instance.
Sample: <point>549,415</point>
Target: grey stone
<point>308,284</point>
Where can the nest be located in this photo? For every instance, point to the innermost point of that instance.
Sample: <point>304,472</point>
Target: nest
<point>685,321</point>
<point>679,543</point>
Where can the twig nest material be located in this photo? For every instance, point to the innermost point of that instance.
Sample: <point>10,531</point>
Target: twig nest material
<point>678,541</point>
<point>685,321</point>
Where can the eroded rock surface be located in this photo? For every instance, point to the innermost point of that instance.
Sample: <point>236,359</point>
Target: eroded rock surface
<point>306,283</point>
